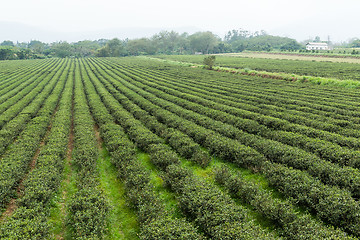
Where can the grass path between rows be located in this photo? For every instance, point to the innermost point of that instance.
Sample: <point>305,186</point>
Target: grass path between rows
<point>168,197</point>
<point>122,220</point>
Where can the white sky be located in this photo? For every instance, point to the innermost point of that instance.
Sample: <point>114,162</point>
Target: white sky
<point>218,16</point>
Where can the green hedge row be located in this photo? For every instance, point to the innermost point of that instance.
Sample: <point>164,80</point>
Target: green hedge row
<point>346,177</point>
<point>201,217</point>
<point>30,220</point>
<point>256,113</point>
<point>11,71</point>
<point>88,208</point>
<point>155,222</point>
<point>245,112</point>
<point>273,107</point>
<point>22,84</point>
<point>238,153</point>
<point>192,130</point>
<point>184,145</point>
<point>14,106</point>
<point>262,89</point>
<point>15,119</point>
<point>330,204</point>
<point>280,212</point>
<point>15,163</point>
<point>214,212</point>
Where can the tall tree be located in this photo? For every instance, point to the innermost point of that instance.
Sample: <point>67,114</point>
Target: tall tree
<point>142,46</point>
<point>7,43</point>
<point>62,49</point>
<point>203,42</point>
<point>37,46</point>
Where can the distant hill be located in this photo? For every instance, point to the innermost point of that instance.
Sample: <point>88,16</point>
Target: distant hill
<point>24,33</point>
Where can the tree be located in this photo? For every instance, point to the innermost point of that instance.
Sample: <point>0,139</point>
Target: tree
<point>317,39</point>
<point>113,48</point>
<point>203,42</point>
<point>62,49</point>
<point>6,53</point>
<point>36,46</point>
<point>7,43</point>
<point>116,48</point>
<point>103,52</point>
<point>355,43</point>
<point>291,45</point>
<point>142,46</point>
<point>24,54</point>
<point>166,42</point>
<point>85,48</point>
<point>209,61</point>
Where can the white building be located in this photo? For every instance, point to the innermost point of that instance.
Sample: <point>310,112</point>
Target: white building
<point>317,46</point>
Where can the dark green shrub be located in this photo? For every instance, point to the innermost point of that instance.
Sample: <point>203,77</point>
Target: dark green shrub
<point>88,214</point>
<point>167,228</point>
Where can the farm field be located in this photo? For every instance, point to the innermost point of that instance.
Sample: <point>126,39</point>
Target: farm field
<point>136,148</point>
<point>295,56</point>
<point>297,65</point>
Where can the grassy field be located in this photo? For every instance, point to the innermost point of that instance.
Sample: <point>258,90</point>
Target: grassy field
<point>342,71</point>
<point>136,148</point>
<point>292,56</point>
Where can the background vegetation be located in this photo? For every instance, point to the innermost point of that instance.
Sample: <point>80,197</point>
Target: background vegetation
<point>164,42</point>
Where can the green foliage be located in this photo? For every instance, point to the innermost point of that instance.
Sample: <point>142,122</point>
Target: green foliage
<point>7,43</point>
<point>142,46</point>
<point>302,139</point>
<point>203,42</point>
<point>165,228</point>
<point>26,224</point>
<point>280,212</point>
<point>113,48</point>
<point>89,210</point>
<point>209,61</point>
<point>338,70</point>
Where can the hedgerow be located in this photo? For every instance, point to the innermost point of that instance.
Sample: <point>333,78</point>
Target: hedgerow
<point>155,222</point>
<point>162,161</point>
<point>280,212</point>
<point>29,220</point>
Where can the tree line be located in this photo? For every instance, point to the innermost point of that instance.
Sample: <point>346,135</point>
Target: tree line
<point>164,42</point>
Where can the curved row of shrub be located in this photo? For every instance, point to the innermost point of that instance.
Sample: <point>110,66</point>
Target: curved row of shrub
<point>214,218</point>
<point>246,91</point>
<point>347,222</point>
<point>183,144</point>
<point>290,232</point>
<point>237,100</point>
<point>155,221</point>
<point>16,71</point>
<point>15,163</point>
<point>22,82</point>
<point>312,68</point>
<point>289,94</point>
<point>30,219</point>
<point>324,149</point>
<point>216,143</point>
<point>15,104</point>
<point>280,212</point>
<point>88,208</point>
<point>13,127</point>
<point>246,111</point>
<point>329,173</point>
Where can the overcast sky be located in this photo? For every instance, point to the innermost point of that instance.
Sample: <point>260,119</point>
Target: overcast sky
<point>297,19</point>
